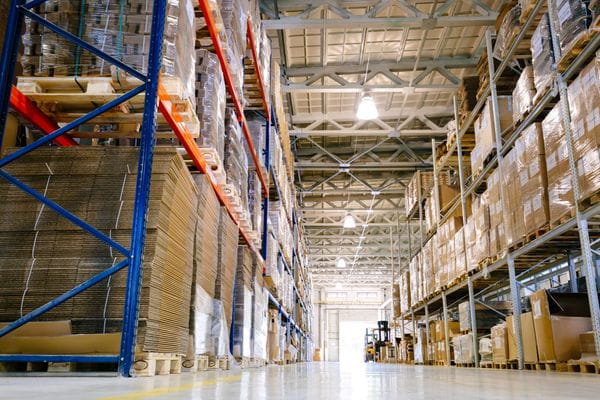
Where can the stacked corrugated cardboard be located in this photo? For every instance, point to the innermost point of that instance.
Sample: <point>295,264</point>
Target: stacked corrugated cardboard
<point>45,255</point>
<point>205,268</point>
<point>227,239</point>
<point>242,333</point>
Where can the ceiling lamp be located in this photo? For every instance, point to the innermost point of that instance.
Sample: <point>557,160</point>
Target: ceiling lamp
<point>338,285</point>
<point>349,221</point>
<point>367,109</point>
<point>341,263</point>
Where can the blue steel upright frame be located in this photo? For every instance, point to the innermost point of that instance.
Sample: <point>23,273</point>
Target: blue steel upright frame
<point>19,9</point>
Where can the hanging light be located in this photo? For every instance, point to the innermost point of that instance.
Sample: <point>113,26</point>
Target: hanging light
<point>338,285</point>
<point>349,221</point>
<point>367,109</point>
<point>341,263</point>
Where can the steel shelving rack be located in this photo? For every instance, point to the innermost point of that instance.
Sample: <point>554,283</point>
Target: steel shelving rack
<point>156,99</point>
<point>535,260</point>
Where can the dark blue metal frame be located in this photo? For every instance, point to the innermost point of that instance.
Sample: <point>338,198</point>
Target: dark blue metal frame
<point>135,256</point>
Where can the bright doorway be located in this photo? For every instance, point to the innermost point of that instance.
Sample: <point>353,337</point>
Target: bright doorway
<point>352,340</point>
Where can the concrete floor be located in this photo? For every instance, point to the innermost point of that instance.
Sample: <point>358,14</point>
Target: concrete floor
<point>315,381</point>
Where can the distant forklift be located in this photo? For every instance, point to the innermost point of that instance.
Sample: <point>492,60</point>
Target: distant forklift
<point>375,340</point>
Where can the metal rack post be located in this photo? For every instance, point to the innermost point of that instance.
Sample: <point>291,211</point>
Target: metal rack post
<point>446,330</point>
<point>473,317</point>
<point>572,273</point>
<point>427,338</point>
<point>516,305</point>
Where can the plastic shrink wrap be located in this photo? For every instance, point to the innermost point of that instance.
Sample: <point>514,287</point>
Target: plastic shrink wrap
<point>523,94</point>
<point>572,20</point>
<point>542,57</point>
<point>260,321</point>
<point>509,29</point>
<point>210,101</point>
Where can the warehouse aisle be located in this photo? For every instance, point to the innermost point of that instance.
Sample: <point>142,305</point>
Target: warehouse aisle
<point>316,381</point>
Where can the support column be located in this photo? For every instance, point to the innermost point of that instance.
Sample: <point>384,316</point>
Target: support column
<point>10,50</point>
<point>572,273</point>
<point>446,330</point>
<point>473,317</point>
<point>516,304</point>
<point>427,338</point>
<point>142,192</point>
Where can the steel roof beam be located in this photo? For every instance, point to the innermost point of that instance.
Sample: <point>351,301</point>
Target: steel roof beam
<point>360,21</point>
<point>405,64</point>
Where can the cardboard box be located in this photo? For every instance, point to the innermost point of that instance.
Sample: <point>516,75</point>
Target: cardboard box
<point>440,334</point>
<point>485,139</point>
<point>559,320</point>
<point>530,353</point>
<point>499,343</point>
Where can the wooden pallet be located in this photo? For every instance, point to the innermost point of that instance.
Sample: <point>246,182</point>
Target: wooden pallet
<point>465,365</point>
<point>505,365</point>
<point>575,48</point>
<point>551,366</point>
<point>530,366</point>
<point>67,98</point>
<point>586,367</point>
<point>467,142</point>
<point>196,364</point>
<point>563,218</point>
<point>486,364</point>
<point>589,201</point>
<point>151,364</point>
<point>56,367</point>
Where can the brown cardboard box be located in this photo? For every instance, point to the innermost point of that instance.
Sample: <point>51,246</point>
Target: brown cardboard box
<point>557,336</point>
<point>530,353</point>
<point>499,343</point>
<point>484,129</point>
<point>453,329</point>
<point>522,96</point>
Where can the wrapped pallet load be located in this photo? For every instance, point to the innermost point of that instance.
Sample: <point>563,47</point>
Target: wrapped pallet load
<point>533,179</point>
<point>571,22</point>
<point>509,30</point>
<point>584,99</point>
<point>523,94</point>
<point>210,102</point>
<point>542,57</point>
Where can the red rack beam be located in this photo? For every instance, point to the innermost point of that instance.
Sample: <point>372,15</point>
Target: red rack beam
<point>185,137</point>
<point>28,110</point>
<point>214,34</point>
<point>261,87</point>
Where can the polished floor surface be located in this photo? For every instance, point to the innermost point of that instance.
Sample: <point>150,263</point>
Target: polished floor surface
<point>314,381</point>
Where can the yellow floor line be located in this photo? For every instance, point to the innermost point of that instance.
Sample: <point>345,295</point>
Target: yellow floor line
<point>144,394</point>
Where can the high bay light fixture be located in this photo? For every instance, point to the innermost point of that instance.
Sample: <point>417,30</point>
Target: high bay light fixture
<point>349,222</point>
<point>341,263</point>
<point>367,110</point>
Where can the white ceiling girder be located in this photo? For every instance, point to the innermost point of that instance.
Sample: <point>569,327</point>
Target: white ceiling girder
<point>406,64</point>
<point>359,88</point>
<point>380,166</point>
<point>350,116</point>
